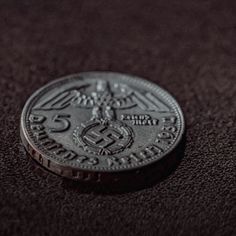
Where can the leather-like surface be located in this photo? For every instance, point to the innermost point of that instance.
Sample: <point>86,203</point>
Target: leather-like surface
<point>187,47</point>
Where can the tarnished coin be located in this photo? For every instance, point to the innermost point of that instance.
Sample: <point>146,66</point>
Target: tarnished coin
<point>96,126</point>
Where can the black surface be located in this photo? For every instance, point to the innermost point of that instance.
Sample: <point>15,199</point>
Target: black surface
<point>187,47</point>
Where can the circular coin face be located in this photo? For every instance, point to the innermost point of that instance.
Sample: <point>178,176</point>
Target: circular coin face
<point>89,125</point>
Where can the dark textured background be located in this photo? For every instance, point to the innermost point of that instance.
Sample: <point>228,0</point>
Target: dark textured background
<point>188,47</point>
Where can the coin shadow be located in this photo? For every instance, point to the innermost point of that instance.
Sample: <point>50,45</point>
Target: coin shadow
<point>147,178</point>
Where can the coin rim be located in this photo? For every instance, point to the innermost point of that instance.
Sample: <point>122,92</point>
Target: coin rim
<point>30,144</point>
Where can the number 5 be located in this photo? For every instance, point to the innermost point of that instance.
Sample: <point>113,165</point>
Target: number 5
<point>63,120</point>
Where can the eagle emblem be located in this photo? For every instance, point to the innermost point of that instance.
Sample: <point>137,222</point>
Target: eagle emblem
<point>103,100</point>
<point>103,134</point>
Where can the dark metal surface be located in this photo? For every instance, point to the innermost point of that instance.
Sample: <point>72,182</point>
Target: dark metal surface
<point>91,124</point>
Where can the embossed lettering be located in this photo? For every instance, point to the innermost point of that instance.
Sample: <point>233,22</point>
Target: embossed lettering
<point>69,155</point>
<point>140,119</point>
<point>113,161</point>
<point>36,127</point>
<point>59,151</point>
<point>40,135</point>
<point>49,144</point>
<point>147,153</point>
<point>54,146</point>
<point>87,160</point>
<point>37,118</point>
<point>168,130</point>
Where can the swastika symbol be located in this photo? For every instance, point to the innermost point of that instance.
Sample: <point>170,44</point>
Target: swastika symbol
<point>103,136</point>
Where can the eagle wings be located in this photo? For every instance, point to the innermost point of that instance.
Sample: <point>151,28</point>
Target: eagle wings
<point>74,97</point>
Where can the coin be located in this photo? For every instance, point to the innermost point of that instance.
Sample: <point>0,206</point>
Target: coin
<point>98,126</point>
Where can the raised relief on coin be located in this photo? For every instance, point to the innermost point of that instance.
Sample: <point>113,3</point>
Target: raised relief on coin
<point>103,137</point>
<point>140,119</point>
<point>40,134</point>
<point>103,134</point>
<point>101,121</point>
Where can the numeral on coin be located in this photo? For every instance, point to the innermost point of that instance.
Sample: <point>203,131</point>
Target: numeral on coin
<point>63,120</point>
